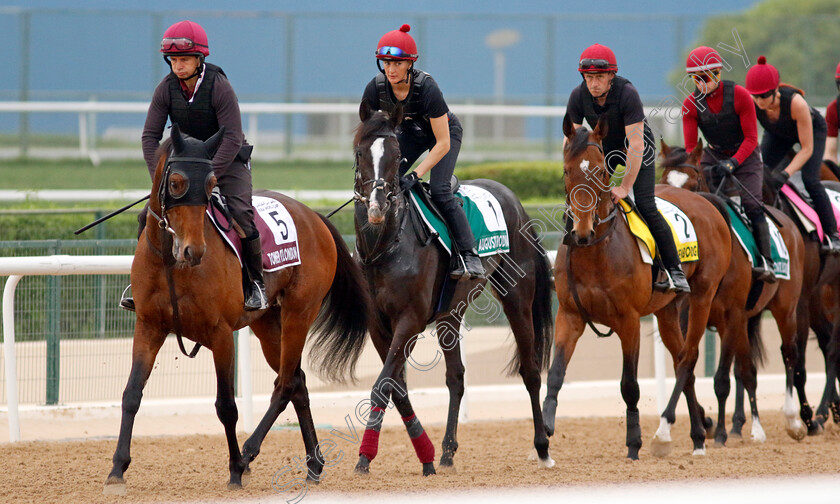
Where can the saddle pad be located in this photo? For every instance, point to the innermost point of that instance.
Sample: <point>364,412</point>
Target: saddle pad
<point>484,213</point>
<point>278,235</point>
<point>807,215</point>
<point>685,237</point>
<point>778,249</point>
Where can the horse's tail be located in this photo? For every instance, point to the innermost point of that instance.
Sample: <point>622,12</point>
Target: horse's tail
<point>757,352</point>
<point>541,313</point>
<point>341,326</point>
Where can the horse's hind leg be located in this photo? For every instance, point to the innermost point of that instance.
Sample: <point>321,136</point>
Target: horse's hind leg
<point>147,343</point>
<point>448,333</point>
<point>517,308</point>
<point>224,359</point>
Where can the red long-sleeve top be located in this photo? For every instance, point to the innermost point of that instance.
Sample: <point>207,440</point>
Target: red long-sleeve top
<point>744,107</point>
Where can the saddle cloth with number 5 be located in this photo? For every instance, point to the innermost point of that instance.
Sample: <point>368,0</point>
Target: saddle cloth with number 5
<point>278,234</point>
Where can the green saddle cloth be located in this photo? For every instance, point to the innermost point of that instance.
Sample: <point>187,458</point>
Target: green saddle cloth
<point>778,249</point>
<point>484,214</point>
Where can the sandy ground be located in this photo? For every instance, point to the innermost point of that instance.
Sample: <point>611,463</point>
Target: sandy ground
<point>588,451</point>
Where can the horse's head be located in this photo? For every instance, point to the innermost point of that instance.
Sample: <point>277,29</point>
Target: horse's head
<point>184,187</point>
<point>681,168</point>
<point>586,178</point>
<point>378,158</point>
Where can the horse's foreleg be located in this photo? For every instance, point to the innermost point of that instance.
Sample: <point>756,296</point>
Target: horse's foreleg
<point>388,385</point>
<point>224,359</point>
<point>567,329</point>
<point>144,351</point>
<point>672,338</point>
<point>630,386</point>
<point>698,315</point>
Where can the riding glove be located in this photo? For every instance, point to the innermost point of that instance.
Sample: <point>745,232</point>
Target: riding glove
<point>408,181</point>
<point>776,179</point>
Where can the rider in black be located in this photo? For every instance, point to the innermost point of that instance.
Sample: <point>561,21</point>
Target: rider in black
<point>788,120</point>
<point>428,126</point>
<point>629,142</point>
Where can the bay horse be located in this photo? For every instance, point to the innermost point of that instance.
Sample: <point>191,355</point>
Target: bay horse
<point>739,302</point>
<point>818,302</point>
<point>187,281</point>
<point>600,277</point>
<point>407,275</point>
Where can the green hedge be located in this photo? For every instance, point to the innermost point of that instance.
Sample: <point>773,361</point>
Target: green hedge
<point>527,179</point>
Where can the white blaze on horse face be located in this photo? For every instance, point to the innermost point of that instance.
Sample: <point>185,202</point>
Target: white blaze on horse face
<point>584,165</point>
<point>377,151</point>
<point>676,178</point>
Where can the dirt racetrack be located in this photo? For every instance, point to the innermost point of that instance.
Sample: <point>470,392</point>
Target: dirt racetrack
<point>588,451</point>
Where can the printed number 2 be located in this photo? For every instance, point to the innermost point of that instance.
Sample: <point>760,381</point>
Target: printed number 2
<point>679,219</point>
<point>285,232</point>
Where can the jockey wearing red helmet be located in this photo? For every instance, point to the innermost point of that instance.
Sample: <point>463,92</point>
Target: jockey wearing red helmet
<point>788,120</point>
<point>198,96</point>
<point>724,113</point>
<point>629,141</point>
<point>428,125</point>
<point>832,113</point>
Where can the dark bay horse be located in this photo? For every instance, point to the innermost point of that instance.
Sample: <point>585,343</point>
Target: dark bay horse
<point>600,277</point>
<point>187,281</point>
<point>736,314</point>
<point>407,275</point>
<point>817,305</point>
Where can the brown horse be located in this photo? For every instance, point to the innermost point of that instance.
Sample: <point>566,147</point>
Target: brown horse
<point>739,302</point>
<point>818,302</point>
<point>407,275</point>
<point>187,281</point>
<point>600,277</point>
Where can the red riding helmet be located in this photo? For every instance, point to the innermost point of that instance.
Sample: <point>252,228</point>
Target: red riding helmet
<point>185,38</point>
<point>597,58</point>
<point>397,45</point>
<point>837,72</point>
<point>762,77</point>
<point>703,59</point>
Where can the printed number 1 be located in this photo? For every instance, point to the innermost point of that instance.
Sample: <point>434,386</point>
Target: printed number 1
<point>285,232</point>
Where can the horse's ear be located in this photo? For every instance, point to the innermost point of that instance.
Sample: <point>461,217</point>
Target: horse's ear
<point>602,128</point>
<point>568,127</point>
<point>177,139</point>
<point>396,117</point>
<point>664,148</point>
<point>212,144</point>
<point>698,151</point>
<point>365,110</point>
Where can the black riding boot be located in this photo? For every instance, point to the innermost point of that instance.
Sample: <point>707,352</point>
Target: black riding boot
<point>676,280</point>
<point>255,298</point>
<point>761,233</point>
<point>467,264</point>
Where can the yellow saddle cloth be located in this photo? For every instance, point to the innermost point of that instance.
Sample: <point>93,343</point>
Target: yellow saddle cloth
<point>685,237</point>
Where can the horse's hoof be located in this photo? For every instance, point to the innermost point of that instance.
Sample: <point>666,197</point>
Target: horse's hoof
<point>246,477</point>
<point>234,486</point>
<point>429,469</point>
<point>114,486</point>
<point>796,429</point>
<point>660,448</point>
<point>816,429</point>
<point>546,464</point>
<point>699,452</point>
<point>362,466</point>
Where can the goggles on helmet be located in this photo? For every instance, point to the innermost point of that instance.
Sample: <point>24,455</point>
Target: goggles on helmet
<point>396,52</point>
<point>594,64</point>
<point>179,44</point>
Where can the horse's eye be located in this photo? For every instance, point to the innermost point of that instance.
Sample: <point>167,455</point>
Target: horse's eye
<point>209,184</point>
<point>178,185</point>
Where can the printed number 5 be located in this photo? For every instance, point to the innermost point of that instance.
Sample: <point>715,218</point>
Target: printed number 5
<point>279,221</point>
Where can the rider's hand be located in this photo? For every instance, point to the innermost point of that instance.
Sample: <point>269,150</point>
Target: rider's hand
<point>408,181</point>
<point>618,193</point>
<point>776,179</point>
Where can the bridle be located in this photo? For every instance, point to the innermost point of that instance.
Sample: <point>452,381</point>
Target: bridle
<point>597,220</point>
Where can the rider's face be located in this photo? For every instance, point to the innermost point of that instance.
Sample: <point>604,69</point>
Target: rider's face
<point>598,83</point>
<point>396,70</point>
<point>184,66</point>
<point>706,81</point>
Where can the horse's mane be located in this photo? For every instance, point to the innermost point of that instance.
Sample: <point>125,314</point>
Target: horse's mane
<point>375,123</point>
<point>579,142</point>
<point>678,155</point>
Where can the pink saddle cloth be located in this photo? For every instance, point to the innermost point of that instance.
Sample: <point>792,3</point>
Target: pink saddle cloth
<point>278,234</point>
